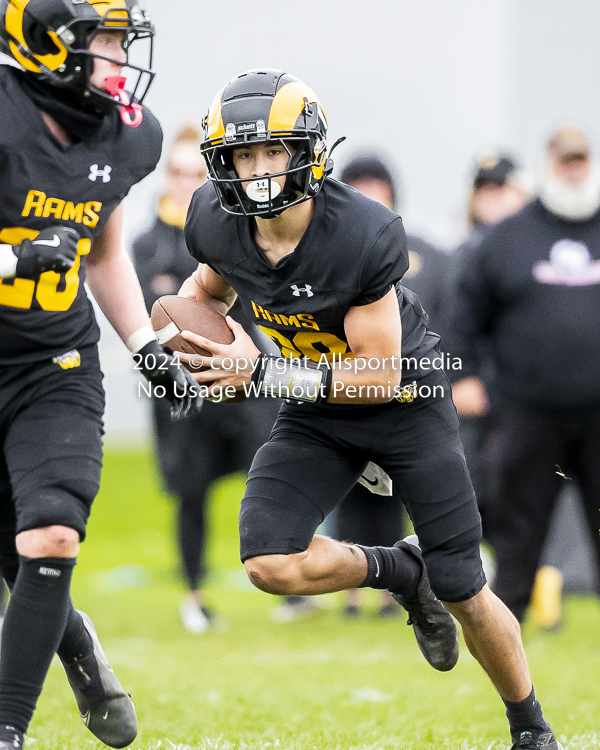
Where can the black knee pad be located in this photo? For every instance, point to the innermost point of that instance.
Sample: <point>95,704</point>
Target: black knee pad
<point>454,568</point>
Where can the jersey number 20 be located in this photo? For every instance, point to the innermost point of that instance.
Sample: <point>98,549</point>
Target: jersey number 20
<point>21,292</point>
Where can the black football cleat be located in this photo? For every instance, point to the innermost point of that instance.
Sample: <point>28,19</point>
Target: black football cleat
<point>435,629</point>
<point>104,706</point>
<point>531,740</point>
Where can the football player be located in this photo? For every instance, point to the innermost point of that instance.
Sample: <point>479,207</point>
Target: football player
<point>318,266</point>
<point>72,143</point>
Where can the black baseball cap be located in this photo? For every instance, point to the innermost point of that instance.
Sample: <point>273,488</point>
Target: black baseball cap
<point>493,167</point>
<point>369,167</point>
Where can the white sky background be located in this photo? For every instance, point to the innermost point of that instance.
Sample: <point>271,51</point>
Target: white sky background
<point>424,83</point>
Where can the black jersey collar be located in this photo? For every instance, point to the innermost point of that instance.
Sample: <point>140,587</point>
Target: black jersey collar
<point>257,255</point>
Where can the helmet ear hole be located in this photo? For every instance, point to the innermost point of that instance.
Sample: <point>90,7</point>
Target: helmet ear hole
<point>300,157</point>
<point>39,41</point>
<point>227,159</point>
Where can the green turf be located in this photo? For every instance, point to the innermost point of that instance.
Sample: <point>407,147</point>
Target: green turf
<point>254,684</point>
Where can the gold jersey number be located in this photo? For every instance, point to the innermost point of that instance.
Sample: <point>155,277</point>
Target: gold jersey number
<point>21,292</point>
<point>305,343</point>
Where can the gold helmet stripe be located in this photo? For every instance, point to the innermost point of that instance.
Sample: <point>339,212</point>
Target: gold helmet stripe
<point>14,25</point>
<point>102,7</point>
<point>214,126</point>
<point>288,104</point>
<point>114,12</point>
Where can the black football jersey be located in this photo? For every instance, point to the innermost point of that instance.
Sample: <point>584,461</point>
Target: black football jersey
<point>352,253</point>
<point>45,184</point>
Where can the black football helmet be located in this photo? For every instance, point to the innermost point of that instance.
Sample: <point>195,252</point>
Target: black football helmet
<point>259,106</point>
<point>51,39</point>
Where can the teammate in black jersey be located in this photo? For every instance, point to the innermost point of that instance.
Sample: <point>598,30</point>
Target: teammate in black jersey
<point>72,143</point>
<point>318,266</point>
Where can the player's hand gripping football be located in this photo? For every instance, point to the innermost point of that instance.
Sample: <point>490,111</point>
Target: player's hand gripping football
<point>230,364</point>
<point>160,368</point>
<point>54,249</point>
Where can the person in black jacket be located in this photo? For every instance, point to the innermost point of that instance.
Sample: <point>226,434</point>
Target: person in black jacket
<point>531,292</point>
<point>215,441</point>
<point>498,190</point>
<point>429,268</point>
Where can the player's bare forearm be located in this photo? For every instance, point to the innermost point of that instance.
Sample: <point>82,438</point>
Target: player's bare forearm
<point>112,280</point>
<point>374,333</point>
<point>116,289</point>
<point>207,286</point>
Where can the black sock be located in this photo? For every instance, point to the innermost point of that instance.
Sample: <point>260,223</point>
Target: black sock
<point>525,715</point>
<point>33,627</point>
<point>76,641</point>
<point>392,568</point>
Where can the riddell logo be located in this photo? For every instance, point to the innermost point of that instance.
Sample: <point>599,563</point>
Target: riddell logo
<point>53,572</point>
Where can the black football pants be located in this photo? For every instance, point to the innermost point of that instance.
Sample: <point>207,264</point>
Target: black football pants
<point>315,455</point>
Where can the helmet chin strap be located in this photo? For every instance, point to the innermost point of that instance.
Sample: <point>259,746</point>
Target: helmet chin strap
<point>329,160</point>
<point>131,114</point>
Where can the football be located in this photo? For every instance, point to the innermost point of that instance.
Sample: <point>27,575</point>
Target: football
<point>171,315</point>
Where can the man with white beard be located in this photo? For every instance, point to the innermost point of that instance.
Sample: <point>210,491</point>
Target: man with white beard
<point>530,293</point>
<point>571,183</point>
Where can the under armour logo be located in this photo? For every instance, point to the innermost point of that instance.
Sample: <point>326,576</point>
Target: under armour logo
<point>306,289</point>
<point>96,172</point>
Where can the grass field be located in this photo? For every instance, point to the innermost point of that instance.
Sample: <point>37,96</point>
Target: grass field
<point>253,684</point>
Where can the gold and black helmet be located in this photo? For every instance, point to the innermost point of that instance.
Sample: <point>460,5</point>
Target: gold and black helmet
<point>50,39</point>
<point>259,106</point>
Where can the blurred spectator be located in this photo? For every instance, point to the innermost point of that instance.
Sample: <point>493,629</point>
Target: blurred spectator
<point>363,517</point>
<point>498,190</point>
<point>530,292</point>
<point>429,268</point>
<point>221,438</point>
